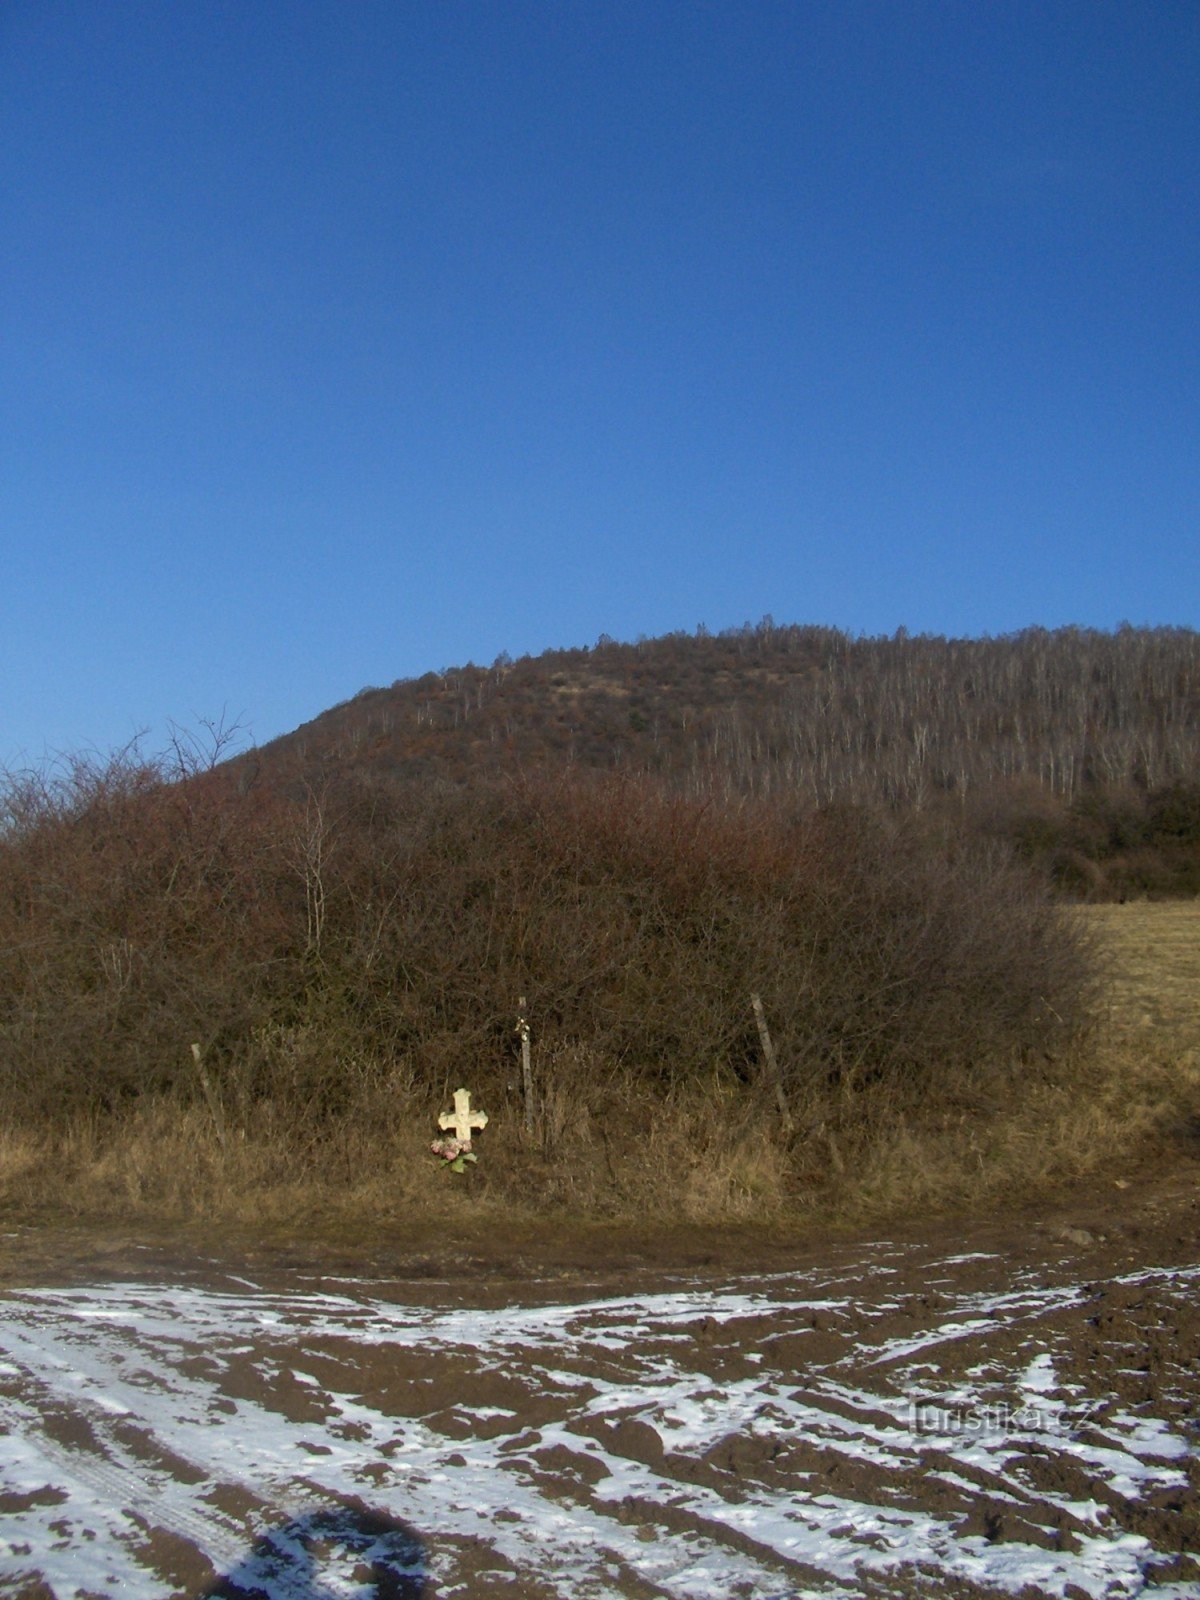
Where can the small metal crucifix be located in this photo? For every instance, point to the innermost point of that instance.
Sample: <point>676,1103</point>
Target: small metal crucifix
<point>462,1119</point>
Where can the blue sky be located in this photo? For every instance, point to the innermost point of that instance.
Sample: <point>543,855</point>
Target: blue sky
<point>341,341</point>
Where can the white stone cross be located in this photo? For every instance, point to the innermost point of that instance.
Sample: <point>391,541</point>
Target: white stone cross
<point>462,1119</point>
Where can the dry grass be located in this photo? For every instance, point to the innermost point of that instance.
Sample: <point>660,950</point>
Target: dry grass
<point>1149,1049</point>
<point>1153,949</point>
<point>1126,1098</point>
<point>166,1161</point>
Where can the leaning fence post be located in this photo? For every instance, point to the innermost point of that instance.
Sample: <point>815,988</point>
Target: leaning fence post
<point>214,1100</point>
<point>526,1066</point>
<point>773,1072</point>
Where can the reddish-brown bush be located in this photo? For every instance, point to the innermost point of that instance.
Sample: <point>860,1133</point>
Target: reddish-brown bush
<point>318,944</point>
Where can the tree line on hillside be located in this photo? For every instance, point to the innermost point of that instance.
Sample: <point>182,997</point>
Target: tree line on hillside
<point>1081,747</point>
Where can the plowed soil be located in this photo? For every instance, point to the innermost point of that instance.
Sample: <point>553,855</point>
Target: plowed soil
<point>1005,1409</point>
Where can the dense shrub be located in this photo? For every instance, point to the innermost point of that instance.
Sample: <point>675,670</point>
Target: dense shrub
<point>1109,843</point>
<point>136,915</point>
<point>320,943</point>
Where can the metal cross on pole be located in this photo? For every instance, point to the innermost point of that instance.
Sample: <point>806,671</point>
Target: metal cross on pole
<point>526,1068</point>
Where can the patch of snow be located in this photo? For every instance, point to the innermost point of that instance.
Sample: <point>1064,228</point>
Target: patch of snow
<point>127,1407</point>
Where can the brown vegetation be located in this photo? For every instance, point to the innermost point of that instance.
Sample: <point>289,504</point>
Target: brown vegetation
<point>1081,747</point>
<point>345,959</point>
<point>254,984</point>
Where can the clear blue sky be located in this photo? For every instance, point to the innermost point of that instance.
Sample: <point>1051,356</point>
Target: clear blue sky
<point>339,341</point>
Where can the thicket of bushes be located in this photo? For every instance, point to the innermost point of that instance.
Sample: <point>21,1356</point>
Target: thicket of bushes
<point>332,952</point>
<point>1111,844</point>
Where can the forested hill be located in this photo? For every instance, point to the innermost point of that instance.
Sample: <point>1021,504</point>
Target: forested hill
<point>1083,745</point>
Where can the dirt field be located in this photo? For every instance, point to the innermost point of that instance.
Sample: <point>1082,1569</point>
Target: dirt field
<point>1000,1407</point>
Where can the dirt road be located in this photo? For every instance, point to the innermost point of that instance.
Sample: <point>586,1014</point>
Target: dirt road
<point>1012,1412</point>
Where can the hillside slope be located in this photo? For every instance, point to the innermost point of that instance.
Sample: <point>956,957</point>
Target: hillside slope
<point>1081,746</point>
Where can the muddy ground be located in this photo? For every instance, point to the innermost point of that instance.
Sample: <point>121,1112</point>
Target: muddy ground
<point>972,1409</point>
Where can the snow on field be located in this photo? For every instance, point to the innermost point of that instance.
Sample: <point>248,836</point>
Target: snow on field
<point>815,1435</point>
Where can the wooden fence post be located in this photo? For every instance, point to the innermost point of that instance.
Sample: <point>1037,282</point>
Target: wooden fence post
<point>526,1066</point>
<point>773,1072</point>
<point>213,1098</point>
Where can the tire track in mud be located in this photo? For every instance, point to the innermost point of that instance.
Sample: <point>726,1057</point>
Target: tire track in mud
<point>800,1433</point>
<point>96,1452</point>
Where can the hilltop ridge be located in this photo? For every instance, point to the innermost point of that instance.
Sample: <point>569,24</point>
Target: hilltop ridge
<point>1080,745</point>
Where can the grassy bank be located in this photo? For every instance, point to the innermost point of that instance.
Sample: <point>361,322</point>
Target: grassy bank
<point>1124,1098</point>
<point>222,1004</point>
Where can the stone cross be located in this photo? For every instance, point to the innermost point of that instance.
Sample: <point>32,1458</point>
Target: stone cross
<point>462,1119</point>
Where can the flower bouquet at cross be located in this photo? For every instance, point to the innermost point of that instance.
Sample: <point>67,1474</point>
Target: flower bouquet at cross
<point>454,1153</point>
